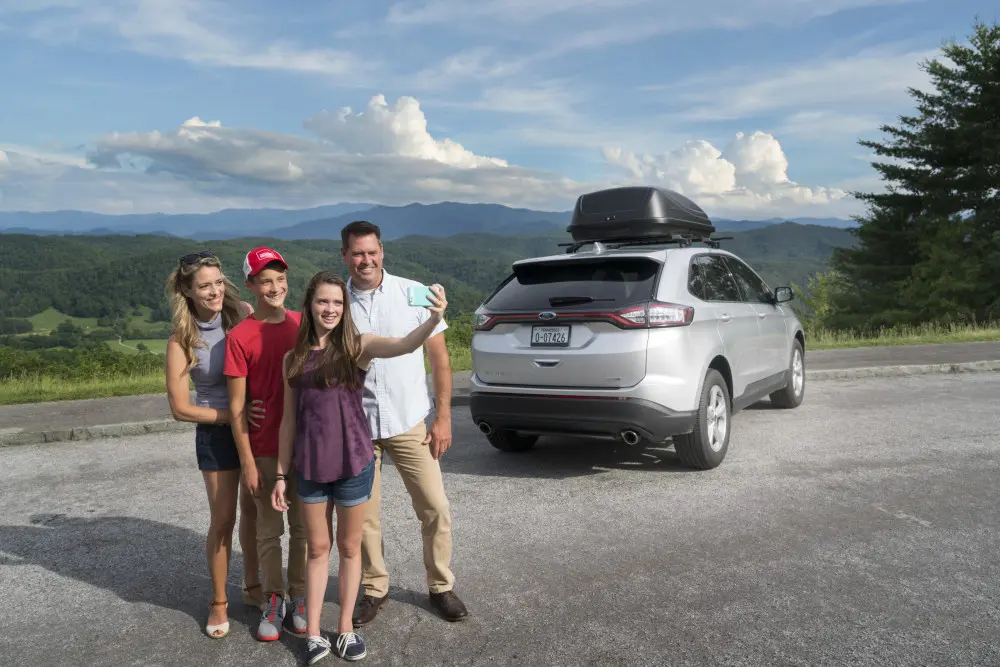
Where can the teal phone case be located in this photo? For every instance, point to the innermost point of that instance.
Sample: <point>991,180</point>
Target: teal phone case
<point>416,295</point>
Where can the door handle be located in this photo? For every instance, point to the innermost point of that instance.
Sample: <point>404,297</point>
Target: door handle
<point>761,315</point>
<point>545,363</point>
<point>725,317</point>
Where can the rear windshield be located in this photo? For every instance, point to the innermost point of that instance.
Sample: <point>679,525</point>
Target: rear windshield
<point>575,285</point>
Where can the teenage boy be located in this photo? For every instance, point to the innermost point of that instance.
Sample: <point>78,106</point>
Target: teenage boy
<point>396,402</point>
<point>254,351</point>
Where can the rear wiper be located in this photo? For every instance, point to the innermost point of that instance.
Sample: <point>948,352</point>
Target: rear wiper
<point>569,300</point>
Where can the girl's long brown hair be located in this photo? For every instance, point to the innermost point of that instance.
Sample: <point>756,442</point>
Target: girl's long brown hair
<point>183,313</point>
<point>338,365</point>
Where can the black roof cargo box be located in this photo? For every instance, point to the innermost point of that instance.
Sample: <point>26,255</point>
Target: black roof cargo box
<point>636,212</point>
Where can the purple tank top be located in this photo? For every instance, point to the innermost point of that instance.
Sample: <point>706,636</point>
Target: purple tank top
<point>332,436</point>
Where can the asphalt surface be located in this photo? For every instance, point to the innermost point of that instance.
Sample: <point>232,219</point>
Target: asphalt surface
<point>859,529</point>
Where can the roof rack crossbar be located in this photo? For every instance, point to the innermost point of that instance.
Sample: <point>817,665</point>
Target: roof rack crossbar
<point>682,240</point>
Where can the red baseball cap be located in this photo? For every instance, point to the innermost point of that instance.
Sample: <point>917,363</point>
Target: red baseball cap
<point>260,257</point>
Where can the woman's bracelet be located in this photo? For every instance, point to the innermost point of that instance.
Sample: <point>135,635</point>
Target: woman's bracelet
<point>280,477</point>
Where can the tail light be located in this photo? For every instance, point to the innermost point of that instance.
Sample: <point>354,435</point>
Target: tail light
<point>656,314</point>
<point>651,315</point>
<point>482,320</point>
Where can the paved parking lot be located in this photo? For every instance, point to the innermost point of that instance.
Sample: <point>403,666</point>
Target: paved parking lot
<point>860,529</point>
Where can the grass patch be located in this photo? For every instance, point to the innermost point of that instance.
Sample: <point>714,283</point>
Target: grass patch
<point>904,335</point>
<point>141,322</point>
<point>128,346</point>
<point>35,389</point>
<point>39,388</point>
<point>47,321</point>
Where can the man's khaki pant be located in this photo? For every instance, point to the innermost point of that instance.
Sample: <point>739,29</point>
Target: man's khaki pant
<point>270,528</point>
<point>422,477</point>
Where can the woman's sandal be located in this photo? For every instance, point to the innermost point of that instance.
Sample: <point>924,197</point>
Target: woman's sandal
<point>252,599</point>
<point>211,630</point>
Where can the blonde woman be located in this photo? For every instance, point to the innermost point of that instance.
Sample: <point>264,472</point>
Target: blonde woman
<point>205,306</point>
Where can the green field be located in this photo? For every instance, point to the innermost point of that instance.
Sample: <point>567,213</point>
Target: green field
<point>130,346</point>
<point>47,321</point>
<point>922,335</point>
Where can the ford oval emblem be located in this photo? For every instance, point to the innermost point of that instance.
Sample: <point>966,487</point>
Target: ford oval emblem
<point>547,315</point>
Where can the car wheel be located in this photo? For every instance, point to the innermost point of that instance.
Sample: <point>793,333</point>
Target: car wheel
<point>791,396</point>
<point>706,446</point>
<point>511,441</point>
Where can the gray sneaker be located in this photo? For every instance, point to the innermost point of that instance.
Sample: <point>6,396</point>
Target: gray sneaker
<point>298,605</point>
<point>274,615</point>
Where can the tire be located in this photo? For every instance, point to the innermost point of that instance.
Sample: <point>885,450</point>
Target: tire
<point>511,441</point>
<point>706,447</point>
<point>793,393</point>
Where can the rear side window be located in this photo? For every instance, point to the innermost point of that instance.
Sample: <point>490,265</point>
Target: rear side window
<point>753,287</point>
<point>577,284</point>
<point>710,276</point>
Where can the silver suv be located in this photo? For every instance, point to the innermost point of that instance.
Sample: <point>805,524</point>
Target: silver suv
<point>651,332</point>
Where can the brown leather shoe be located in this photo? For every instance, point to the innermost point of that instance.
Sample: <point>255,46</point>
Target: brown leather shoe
<point>367,609</point>
<point>449,605</point>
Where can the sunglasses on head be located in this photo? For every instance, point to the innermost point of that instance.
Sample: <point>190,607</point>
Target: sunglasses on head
<point>194,257</point>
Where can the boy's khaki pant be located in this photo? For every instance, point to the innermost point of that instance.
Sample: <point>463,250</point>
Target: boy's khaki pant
<point>270,528</point>
<point>422,477</point>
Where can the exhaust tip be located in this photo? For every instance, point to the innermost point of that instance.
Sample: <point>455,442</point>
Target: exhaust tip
<point>485,428</point>
<point>630,437</point>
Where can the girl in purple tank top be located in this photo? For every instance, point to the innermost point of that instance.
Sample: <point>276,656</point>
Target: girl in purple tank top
<point>326,455</point>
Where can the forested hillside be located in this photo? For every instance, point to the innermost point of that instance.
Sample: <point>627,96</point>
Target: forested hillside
<point>105,276</point>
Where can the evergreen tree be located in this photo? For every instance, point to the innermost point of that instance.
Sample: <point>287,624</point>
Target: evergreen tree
<point>929,247</point>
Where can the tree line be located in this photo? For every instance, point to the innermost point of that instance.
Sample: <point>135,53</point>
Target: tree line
<point>928,245</point>
<point>108,277</point>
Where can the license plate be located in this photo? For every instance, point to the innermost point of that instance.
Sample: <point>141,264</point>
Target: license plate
<point>549,336</point>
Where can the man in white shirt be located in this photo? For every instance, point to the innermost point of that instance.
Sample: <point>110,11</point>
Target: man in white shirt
<point>397,404</point>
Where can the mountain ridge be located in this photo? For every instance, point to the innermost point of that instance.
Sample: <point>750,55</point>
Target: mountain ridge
<point>437,219</point>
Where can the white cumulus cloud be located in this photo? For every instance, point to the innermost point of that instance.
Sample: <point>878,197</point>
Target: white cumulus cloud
<point>400,129</point>
<point>385,154</point>
<point>750,175</point>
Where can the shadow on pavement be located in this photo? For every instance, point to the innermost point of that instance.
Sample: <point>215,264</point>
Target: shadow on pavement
<point>765,404</point>
<point>139,560</point>
<point>560,458</point>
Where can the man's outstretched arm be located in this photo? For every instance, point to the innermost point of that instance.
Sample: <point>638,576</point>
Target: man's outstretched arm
<point>439,435</point>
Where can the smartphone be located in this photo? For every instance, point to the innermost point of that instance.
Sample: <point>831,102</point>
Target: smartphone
<point>416,295</point>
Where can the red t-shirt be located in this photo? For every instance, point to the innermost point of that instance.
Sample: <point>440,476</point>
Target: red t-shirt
<point>254,350</point>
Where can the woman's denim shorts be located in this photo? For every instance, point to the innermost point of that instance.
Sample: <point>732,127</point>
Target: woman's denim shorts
<point>346,492</point>
<point>215,447</point>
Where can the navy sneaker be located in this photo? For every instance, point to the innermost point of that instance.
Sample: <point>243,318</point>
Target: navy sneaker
<point>350,646</point>
<point>317,648</point>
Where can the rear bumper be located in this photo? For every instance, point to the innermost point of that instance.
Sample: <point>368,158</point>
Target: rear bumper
<point>581,416</point>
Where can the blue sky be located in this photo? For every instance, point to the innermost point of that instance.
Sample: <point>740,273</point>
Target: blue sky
<point>752,107</point>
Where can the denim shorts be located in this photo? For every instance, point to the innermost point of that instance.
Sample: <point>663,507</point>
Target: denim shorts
<point>215,447</point>
<point>346,492</point>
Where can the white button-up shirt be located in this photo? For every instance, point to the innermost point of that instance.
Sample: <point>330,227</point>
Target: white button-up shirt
<point>396,397</point>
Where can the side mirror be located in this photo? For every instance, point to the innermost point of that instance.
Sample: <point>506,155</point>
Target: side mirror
<point>782,294</point>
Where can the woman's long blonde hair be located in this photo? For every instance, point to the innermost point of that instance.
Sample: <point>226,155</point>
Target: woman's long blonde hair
<point>184,327</point>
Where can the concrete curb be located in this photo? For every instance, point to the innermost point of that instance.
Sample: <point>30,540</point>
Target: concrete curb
<point>461,398</point>
<point>93,432</point>
<point>903,371</point>
<point>121,430</point>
